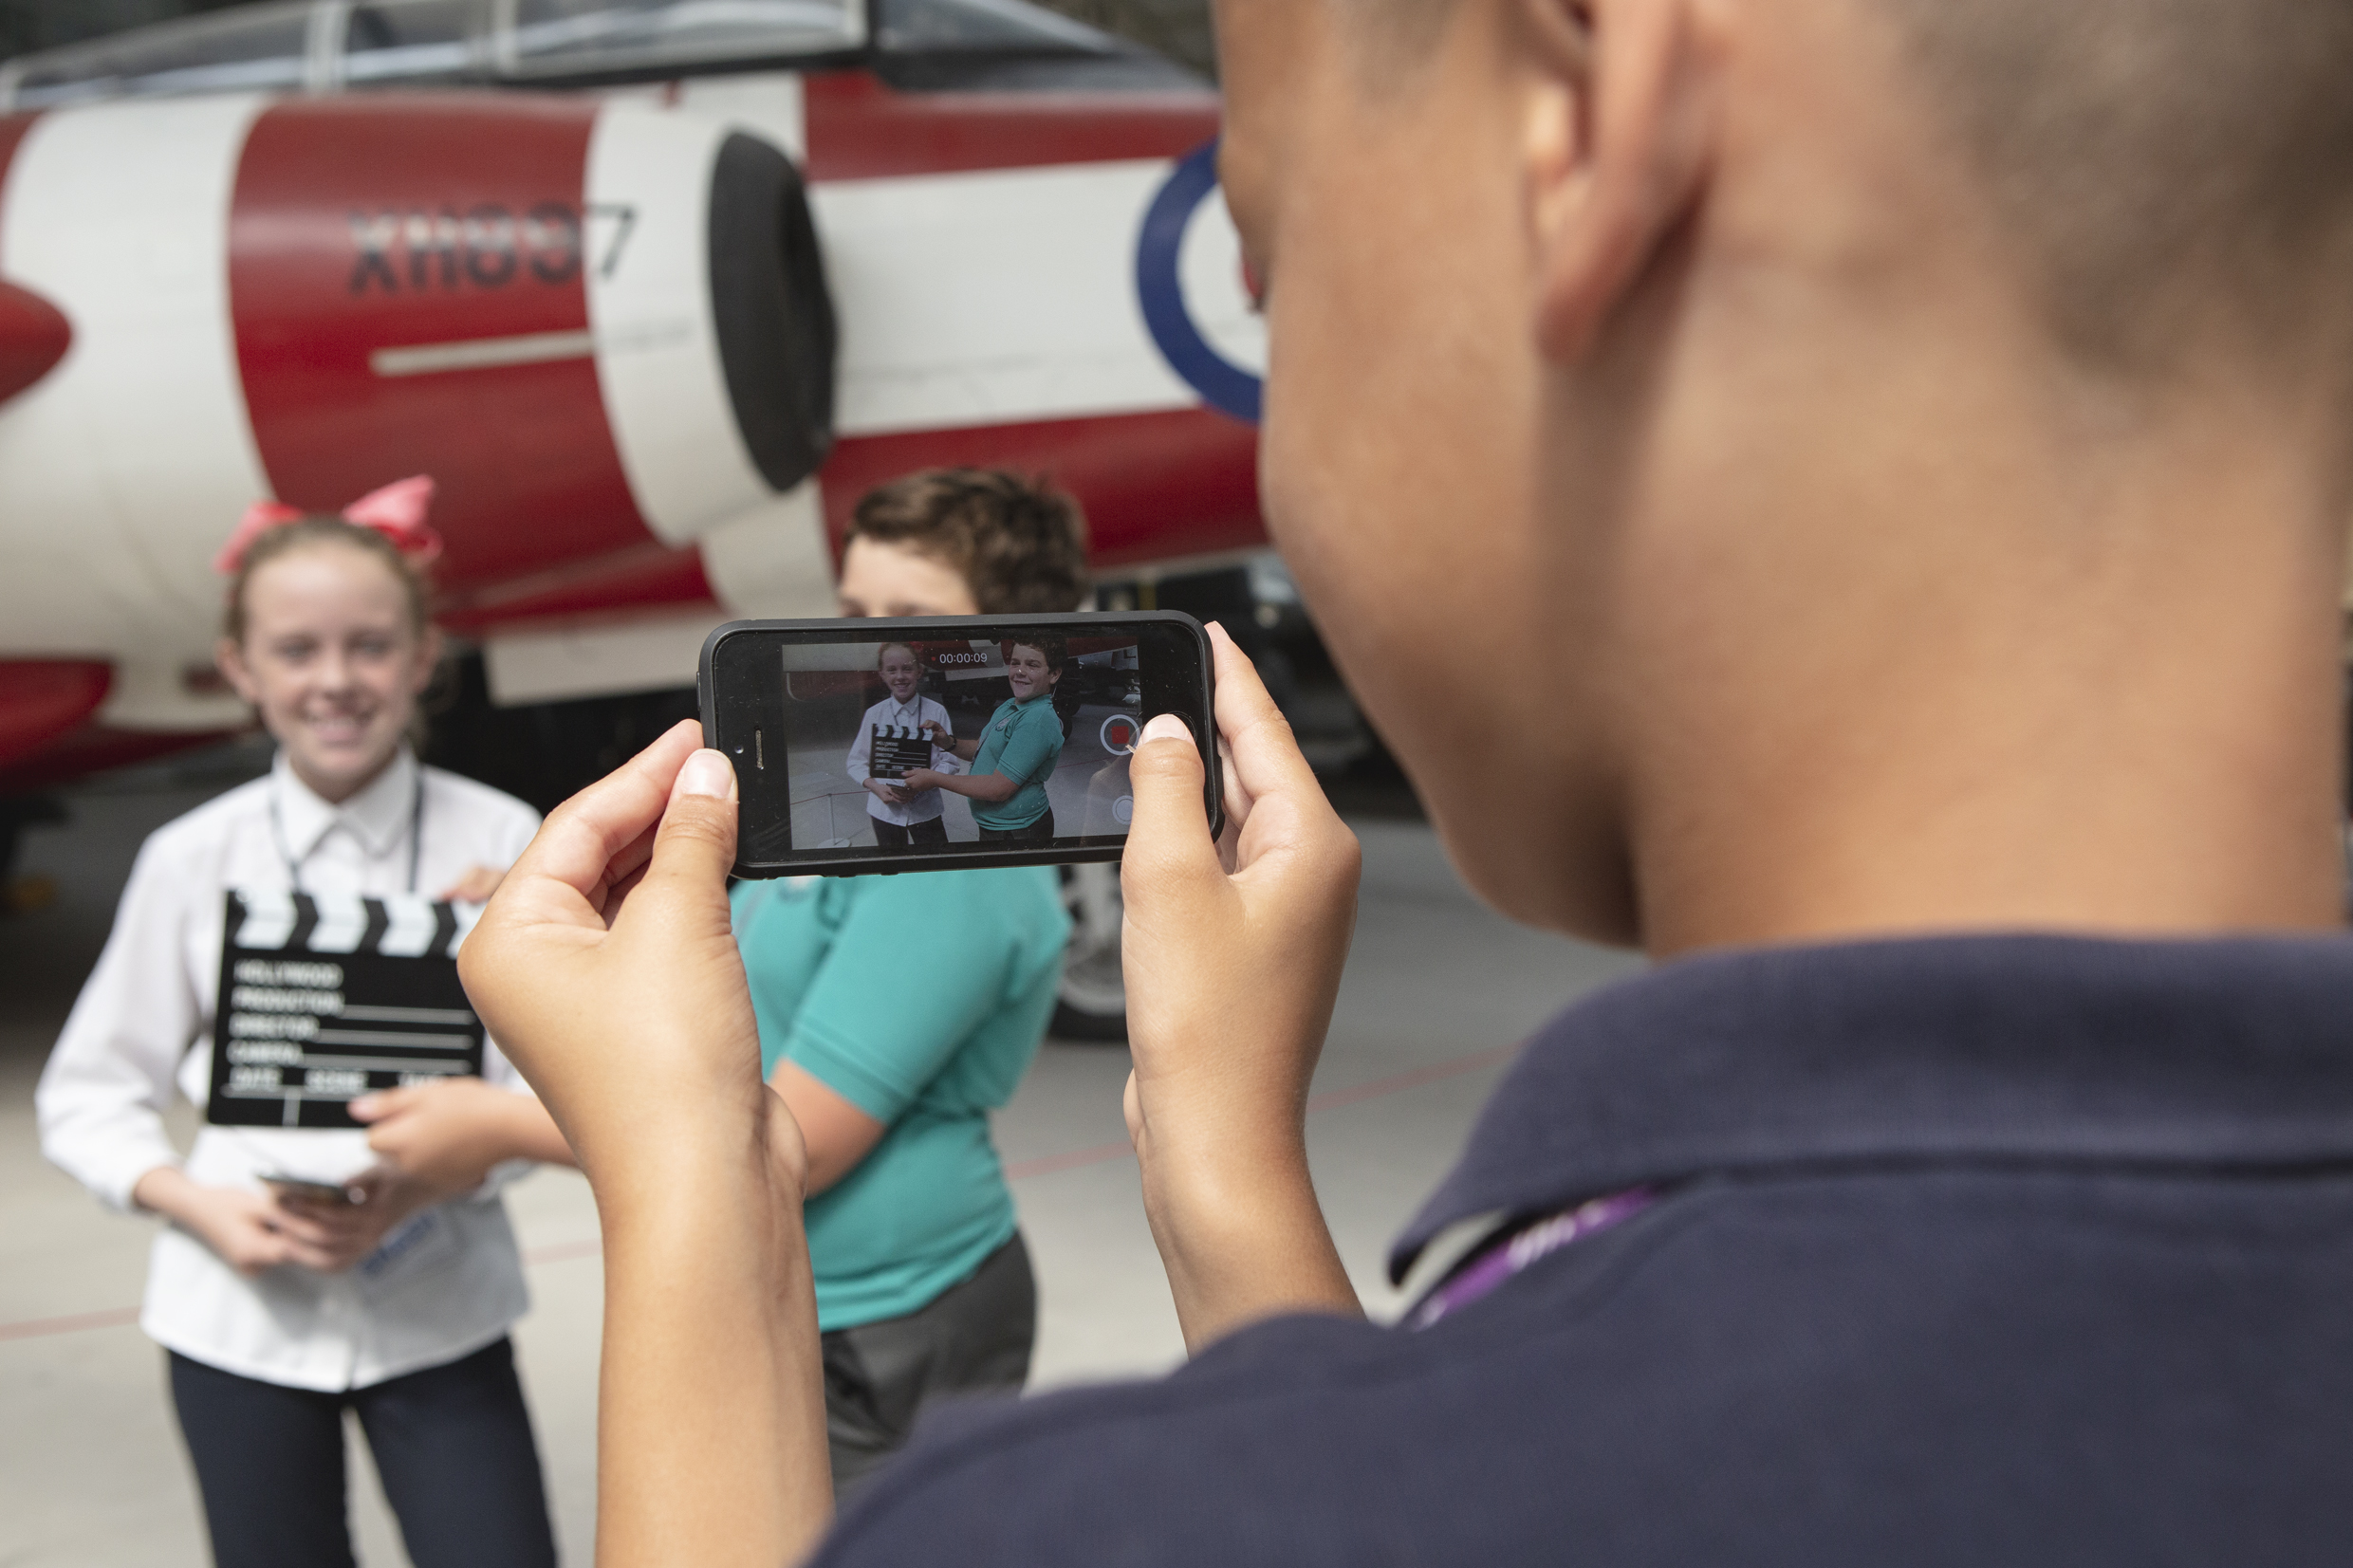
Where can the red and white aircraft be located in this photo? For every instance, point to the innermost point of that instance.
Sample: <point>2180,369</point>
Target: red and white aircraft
<point>653,290</point>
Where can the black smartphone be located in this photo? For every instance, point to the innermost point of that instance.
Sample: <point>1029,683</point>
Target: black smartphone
<point>937,742</point>
<point>317,1191</point>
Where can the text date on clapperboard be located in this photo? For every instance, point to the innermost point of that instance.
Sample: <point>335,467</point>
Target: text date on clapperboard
<point>324,1000</point>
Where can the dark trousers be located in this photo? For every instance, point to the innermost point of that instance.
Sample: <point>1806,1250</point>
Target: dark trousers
<point>973,1338</point>
<point>453,1444</point>
<point>891,836</point>
<point>1042,828</point>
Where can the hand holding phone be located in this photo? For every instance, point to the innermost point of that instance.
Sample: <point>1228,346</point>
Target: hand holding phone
<point>1213,1104</point>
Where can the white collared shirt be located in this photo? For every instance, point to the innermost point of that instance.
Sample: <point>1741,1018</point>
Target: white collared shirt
<point>889,714</point>
<point>445,1283</point>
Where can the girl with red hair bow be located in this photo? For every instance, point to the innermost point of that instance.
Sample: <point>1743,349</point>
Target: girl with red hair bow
<point>389,1289</point>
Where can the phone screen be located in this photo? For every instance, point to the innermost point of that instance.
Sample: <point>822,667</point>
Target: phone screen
<point>883,745</point>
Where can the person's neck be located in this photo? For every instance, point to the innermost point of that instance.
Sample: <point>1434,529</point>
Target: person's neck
<point>337,791</point>
<point>2057,677</point>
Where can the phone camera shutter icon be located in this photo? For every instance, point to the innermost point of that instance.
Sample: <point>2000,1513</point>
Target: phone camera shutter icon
<point>1123,810</point>
<point>1119,735</point>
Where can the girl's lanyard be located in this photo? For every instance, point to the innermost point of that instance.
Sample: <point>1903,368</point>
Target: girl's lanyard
<point>293,867</point>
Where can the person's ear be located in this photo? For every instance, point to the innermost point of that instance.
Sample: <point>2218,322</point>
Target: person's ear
<point>230,659</point>
<point>1621,135</point>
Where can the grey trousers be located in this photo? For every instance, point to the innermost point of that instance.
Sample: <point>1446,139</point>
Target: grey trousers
<point>973,1338</point>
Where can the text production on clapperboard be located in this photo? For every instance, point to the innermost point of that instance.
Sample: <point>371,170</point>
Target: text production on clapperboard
<point>324,999</point>
<point>896,750</point>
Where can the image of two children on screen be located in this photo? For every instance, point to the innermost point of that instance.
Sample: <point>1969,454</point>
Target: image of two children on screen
<point>907,751</point>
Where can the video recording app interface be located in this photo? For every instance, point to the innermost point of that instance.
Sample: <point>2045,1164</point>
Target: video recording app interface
<point>931,743</point>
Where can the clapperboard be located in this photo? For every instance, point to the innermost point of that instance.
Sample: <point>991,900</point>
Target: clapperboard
<point>898,750</point>
<point>324,999</point>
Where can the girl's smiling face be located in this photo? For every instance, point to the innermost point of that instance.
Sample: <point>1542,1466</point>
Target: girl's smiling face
<point>334,661</point>
<point>900,673</point>
<point>1026,671</point>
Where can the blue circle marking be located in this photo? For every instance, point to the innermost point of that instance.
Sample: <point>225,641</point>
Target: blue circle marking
<point>1223,384</point>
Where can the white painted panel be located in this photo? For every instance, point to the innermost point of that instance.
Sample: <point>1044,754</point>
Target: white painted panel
<point>766,104</point>
<point>990,298</point>
<point>150,690</point>
<point>594,660</point>
<point>649,306</point>
<point>773,560</point>
<point>1208,271</point>
<point>124,469</point>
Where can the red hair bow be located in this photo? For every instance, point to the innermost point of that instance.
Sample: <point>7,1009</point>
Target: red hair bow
<point>396,511</point>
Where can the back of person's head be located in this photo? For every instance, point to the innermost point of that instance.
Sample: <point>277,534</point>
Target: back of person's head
<point>1019,543</point>
<point>2166,167</point>
<point>2153,161</point>
<point>1788,371</point>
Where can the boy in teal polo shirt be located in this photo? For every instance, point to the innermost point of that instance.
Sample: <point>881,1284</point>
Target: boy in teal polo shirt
<point>919,1001</point>
<point>1016,753</point>
<point>897,1012</point>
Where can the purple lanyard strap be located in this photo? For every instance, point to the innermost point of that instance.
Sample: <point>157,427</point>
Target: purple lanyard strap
<point>1517,1249</point>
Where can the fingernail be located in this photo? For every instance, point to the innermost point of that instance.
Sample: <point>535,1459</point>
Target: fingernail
<point>705,772</point>
<point>1168,726</point>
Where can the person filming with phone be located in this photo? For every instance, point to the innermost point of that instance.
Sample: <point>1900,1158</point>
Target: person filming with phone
<point>1918,434</point>
<point>1015,754</point>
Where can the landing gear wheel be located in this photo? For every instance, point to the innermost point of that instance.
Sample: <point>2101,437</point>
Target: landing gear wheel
<point>1092,1005</point>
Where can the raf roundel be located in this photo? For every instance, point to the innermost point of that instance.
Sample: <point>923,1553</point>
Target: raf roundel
<point>1188,281</point>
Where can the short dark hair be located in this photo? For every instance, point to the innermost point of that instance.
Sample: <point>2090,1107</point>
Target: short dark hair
<point>2164,164</point>
<point>1056,650</point>
<point>2163,167</point>
<point>1020,545</point>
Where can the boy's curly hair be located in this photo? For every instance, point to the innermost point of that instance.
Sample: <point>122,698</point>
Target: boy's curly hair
<point>1020,545</point>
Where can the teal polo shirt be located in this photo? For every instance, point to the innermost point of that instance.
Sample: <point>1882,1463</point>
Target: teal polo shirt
<point>1023,741</point>
<point>920,999</point>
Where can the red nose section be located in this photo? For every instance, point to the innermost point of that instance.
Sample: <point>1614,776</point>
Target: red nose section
<point>35,335</point>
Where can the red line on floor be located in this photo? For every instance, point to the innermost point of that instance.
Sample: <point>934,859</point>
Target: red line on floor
<point>1398,1082</point>
<point>1045,1164</point>
<point>564,1252</point>
<point>1103,1153</point>
<point>33,1328</point>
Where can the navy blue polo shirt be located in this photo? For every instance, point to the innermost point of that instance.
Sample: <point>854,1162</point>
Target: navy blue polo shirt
<point>2004,1250</point>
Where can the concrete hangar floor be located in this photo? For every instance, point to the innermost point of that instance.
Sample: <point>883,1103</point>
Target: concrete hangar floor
<point>1438,992</point>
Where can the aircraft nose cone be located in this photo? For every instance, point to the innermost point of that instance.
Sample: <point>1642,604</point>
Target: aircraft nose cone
<point>35,335</point>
